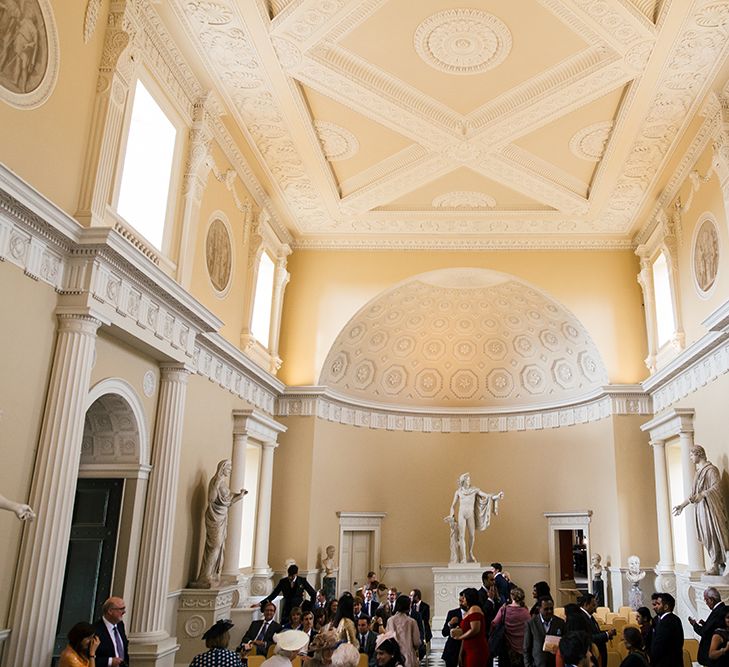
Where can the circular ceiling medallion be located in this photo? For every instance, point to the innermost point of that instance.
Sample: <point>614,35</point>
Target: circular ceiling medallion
<point>464,199</point>
<point>706,254</point>
<point>336,142</point>
<point>463,41</point>
<point>589,143</point>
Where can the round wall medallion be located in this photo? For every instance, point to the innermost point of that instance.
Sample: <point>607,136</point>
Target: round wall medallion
<point>336,142</point>
<point>463,41</point>
<point>29,55</point>
<point>464,199</point>
<point>149,382</point>
<point>705,254</point>
<point>219,255</point>
<point>590,142</point>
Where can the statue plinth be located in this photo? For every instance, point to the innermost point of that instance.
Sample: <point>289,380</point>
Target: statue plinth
<point>197,610</point>
<point>447,583</point>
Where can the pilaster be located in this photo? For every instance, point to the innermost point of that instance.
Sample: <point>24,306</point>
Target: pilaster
<point>663,508</point>
<point>150,643</point>
<point>44,545</point>
<point>645,280</point>
<point>231,561</point>
<point>261,583</point>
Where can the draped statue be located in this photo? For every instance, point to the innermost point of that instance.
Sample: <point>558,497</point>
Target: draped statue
<point>474,513</point>
<point>220,498</point>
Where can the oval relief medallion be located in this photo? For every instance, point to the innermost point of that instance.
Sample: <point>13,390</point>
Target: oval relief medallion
<point>706,255</point>
<point>219,256</point>
<point>29,53</point>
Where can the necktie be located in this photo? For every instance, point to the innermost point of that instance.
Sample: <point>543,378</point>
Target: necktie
<point>118,642</point>
<point>362,643</point>
<point>262,633</point>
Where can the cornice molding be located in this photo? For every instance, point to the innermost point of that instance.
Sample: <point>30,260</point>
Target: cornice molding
<point>467,244</point>
<point>324,403</point>
<point>99,272</point>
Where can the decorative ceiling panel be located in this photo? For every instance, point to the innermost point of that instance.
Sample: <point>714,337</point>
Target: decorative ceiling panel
<point>402,95</point>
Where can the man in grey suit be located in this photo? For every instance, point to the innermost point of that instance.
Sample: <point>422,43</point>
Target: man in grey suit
<point>366,639</point>
<point>541,624</point>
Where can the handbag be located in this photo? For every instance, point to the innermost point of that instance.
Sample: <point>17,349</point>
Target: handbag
<point>498,636</point>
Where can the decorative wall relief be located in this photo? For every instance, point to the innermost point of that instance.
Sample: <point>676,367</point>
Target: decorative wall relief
<point>29,54</point>
<point>706,254</point>
<point>219,256</point>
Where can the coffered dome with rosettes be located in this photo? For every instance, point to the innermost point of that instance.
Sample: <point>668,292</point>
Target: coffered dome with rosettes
<point>464,338</point>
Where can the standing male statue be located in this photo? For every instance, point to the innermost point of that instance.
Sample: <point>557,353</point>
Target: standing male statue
<point>710,514</point>
<point>474,513</point>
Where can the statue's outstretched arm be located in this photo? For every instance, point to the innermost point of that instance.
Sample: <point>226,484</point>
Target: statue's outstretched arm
<point>21,510</point>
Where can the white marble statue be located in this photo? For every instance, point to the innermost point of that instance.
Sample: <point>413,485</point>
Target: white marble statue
<point>220,498</point>
<point>710,515</point>
<point>21,510</point>
<point>474,513</point>
<point>596,565</point>
<point>329,580</point>
<point>635,575</point>
<point>453,525</point>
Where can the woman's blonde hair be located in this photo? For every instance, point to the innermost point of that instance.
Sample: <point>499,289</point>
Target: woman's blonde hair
<point>517,595</point>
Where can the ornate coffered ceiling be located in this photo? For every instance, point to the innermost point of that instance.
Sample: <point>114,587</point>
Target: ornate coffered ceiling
<point>438,122</point>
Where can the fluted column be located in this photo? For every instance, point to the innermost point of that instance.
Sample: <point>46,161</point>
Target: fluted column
<point>261,569</point>
<point>688,471</point>
<point>153,573</point>
<point>231,561</point>
<point>44,545</point>
<point>663,507</point>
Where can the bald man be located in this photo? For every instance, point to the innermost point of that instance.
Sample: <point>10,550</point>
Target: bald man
<point>113,644</point>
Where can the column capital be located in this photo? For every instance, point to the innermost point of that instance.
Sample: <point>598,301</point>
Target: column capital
<point>77,323</point>
<point>269,444</point>
<point>172,372</point>
<point>654,442</point>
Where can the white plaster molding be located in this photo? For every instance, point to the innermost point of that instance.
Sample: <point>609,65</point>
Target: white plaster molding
<point>256,425</point>
<point>337,142</point>
<point>464,199</point>
<point>705,255</point>
<point>589,143</point>
<point>448,244</point>
<point>670,424</point>
<point>106,470</point>
<point>324,403</point>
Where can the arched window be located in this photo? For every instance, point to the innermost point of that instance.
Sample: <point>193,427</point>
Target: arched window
<point>665,317</point>
<point>262,301</point>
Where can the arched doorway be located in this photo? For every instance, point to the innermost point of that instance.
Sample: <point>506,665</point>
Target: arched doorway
<point>109,502</point>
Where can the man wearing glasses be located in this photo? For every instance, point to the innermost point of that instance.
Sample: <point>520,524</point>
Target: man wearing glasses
<point>113,649</point>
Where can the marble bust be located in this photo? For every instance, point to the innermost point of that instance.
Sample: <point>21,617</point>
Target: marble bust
<point>635,575</point>
<point>474,513</point>
<point>710,514</point>
<point>596,566</point>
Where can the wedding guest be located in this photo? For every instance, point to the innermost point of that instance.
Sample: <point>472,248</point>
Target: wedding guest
<point>81,648</point>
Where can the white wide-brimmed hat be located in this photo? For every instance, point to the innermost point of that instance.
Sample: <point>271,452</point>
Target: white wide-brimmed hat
<point>291,640</point>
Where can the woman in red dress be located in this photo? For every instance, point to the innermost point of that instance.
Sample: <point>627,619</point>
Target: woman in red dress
<point>472,632</point>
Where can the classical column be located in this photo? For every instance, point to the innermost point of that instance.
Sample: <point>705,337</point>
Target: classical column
<point>663,507</point>
<point>231,560</point>
<point>688,472</point>
<point>150,598</point>
<point>42,563</point>
<point>261,569</point>
<point>280,280</point>
<point>645,280</point>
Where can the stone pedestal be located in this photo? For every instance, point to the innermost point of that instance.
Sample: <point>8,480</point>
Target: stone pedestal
<point>447,583</point>
<point>197,610</point>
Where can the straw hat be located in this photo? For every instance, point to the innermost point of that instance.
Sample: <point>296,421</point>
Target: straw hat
<point>291,640</point>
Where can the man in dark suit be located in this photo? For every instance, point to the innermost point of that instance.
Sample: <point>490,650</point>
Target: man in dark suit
<point>370,604</point>
<point>502,584</point>
<point>705,629</point>
<point>366,639</point>
<point>452,646</point>
<point>541,624</point>
<point>292,589</point>
<point>113,649</point>
<point>584,621</point>
<point>259,635</point>
<point>420,611</point>
<point>667,644</point>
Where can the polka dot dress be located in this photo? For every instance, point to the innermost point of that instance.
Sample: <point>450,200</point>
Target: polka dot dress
<point>217,657</point>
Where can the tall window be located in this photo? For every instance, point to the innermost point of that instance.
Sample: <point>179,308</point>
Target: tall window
<point>261,320</point>
<point>147,170</point>
<point>665,318</point>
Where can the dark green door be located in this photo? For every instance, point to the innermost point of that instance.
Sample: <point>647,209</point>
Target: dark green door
<point>91,549</point>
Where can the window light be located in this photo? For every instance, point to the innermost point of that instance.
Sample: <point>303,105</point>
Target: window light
<point>665,322</point>
<point>261,320</point>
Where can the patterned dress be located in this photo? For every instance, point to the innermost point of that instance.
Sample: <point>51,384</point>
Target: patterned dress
<point>217,657</point>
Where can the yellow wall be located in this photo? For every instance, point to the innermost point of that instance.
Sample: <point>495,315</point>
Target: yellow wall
<point>328,288</point>
<point>27,339</point>
<point>46,145</point>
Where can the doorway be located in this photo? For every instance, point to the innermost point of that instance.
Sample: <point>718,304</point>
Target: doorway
<point>356,558</point>
<point>91,551</point>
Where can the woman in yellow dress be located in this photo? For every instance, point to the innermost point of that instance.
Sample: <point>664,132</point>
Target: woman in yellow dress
<point>81,649</point>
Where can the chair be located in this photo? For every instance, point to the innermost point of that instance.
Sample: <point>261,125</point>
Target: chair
<point>601,612</point>
<point>363,660</point>
<point>255,660</point>
<point>625,611</point>
<point>619,623</point>
<point>296,662</point>
<point>271,649</point>
<point>559,611</point>
<point>613,659</point>
<point>686,659</point>
<point>692,646</point>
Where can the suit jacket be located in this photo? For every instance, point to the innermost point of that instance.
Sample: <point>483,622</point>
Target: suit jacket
<point>502,586</point>
<point>370,607</point>
<point>369,646</point>
<point>706,630</point>
<point>667,644</point>
<point>586,623</point>
<point>422,617</point>
<point>252,633</point>
<point>293,594</point>
<point>106,643</point>
<point>452,646</point>
<point>534,635</point>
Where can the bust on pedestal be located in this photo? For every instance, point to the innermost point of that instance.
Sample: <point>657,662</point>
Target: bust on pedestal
<point>635,575</point>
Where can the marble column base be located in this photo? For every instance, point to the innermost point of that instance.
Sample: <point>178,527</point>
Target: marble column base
<point>447,583</point>
<point>261,583</point>
<point>154,654</point>
<point>197,610</point>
